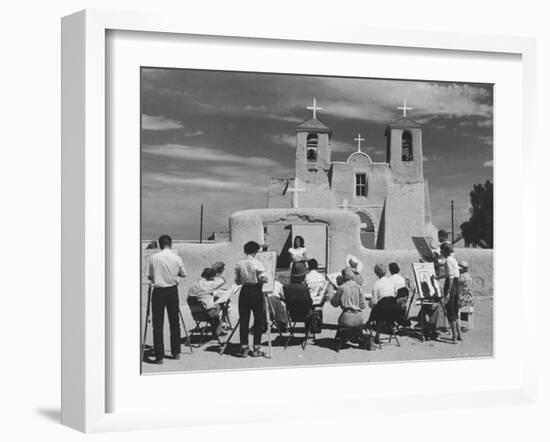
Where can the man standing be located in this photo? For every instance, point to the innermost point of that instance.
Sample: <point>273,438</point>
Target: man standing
<point>251,275</point>
<point>450,290</point>
<point>164,269</point>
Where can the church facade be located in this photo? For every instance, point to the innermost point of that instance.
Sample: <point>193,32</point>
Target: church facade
<point>390,198</point>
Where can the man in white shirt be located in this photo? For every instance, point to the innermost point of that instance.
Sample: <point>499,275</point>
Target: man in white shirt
<point>383,287</point>
<point>251,274</point>
<point>165,269</point>
<point>397,280</point>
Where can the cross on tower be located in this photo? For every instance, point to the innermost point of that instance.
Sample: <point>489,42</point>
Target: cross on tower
<point>404,108</point>
<point>314,108</point>
<point>295,191</point>
<point>359,139</point>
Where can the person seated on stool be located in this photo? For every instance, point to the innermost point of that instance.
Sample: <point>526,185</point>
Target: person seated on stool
<point>224,289</point>
<point>349,297</point>
<point>219,268</point>
<point>395,277</point>
<point>203,292</point>
<point>278,306</point>
<point>250,273</point>
<point>315,282</point>
<point>296,293</point>
<point>382,288</point>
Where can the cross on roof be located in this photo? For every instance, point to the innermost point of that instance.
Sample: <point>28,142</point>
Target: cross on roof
<point>404,108</point>
<point>295,191</point>
<point>314,108</point>
<point>359,139</point>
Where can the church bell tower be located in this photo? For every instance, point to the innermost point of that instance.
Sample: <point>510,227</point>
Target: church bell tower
<point>313,140</point>
<point>404,148</point>
<point>404,208</point>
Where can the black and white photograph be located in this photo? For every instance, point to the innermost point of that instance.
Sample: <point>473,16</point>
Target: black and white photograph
<point>296,221</point>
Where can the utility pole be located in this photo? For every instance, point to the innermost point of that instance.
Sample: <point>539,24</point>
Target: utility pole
<point>202,212</point>
<point>452,221</point>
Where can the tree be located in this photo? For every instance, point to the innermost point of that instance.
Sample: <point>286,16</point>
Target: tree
<point>478,230</point>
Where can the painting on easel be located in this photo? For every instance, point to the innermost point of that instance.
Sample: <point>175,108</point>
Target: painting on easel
<point>424,277</point>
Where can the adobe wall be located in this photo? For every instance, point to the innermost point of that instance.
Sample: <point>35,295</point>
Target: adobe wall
<point>343,239</point>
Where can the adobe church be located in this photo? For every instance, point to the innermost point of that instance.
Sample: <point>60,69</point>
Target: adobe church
<point>391,198</point>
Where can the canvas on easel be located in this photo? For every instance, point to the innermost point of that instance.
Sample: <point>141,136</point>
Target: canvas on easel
<point>269,260</point>
<point>423,247</point>
<point>424,278</point>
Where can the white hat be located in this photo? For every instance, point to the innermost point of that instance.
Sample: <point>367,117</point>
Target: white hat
<point>354,263</point>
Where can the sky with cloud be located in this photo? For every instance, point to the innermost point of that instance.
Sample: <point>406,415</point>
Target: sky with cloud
<point>215,138</point>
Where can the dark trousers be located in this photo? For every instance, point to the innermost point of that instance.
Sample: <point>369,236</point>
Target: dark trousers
<point>251,299</point>
<point>451,307</point>
<point>166,297</point>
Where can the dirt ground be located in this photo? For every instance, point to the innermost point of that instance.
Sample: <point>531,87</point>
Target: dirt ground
<point>476,343</point>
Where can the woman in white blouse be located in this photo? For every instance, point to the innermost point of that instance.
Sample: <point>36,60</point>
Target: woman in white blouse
<point>298,253</point>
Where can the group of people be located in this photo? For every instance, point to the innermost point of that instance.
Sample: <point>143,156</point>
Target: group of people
<point>456,289</point>
<point>306,292</point>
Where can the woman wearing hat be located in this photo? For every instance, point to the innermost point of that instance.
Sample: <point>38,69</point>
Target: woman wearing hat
<point>349,297</point>
<point>357,267</point>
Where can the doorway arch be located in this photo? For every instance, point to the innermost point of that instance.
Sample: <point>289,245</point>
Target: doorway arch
<point>367,230</point>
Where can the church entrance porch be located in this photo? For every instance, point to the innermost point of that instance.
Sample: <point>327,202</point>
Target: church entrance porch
<point>280,237</point>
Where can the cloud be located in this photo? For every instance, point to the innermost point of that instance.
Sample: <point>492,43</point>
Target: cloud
<point>488,163</point>
<point>340,146</point>
<point>150,122</point>
<point>183,182</point>
<point>287,118</point>
<point>196,153</point>
<point>284,139</point>
<point>487,140</point>
<point>377,100</point>
<point>485,123</point>
<point>280,113</point>
<point>195,133</point>
<point>433,157</point>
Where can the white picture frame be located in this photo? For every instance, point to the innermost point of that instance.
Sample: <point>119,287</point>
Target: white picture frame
<point>86,207</point>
